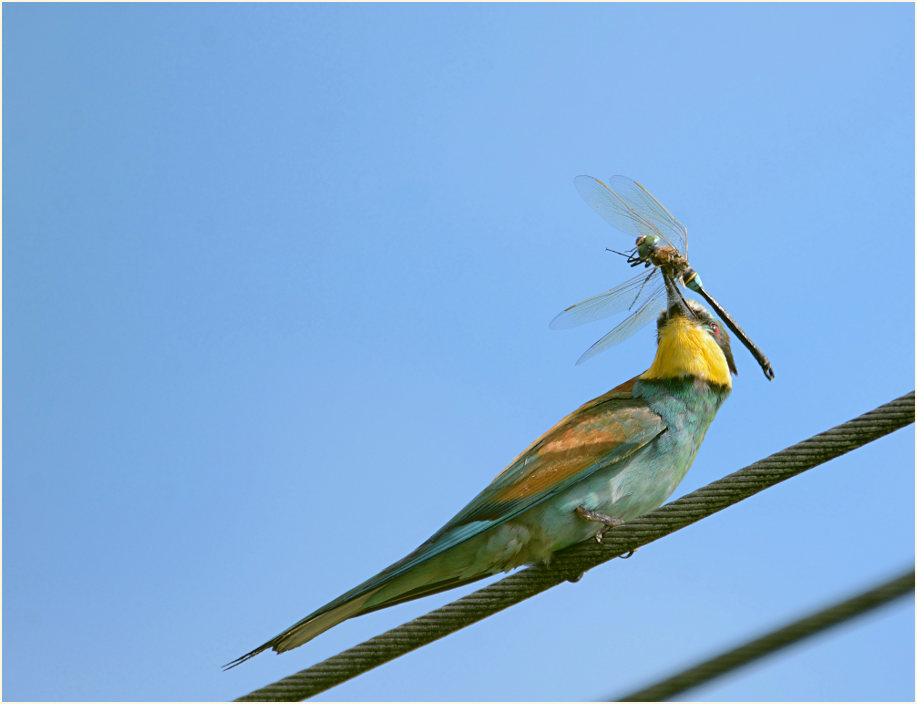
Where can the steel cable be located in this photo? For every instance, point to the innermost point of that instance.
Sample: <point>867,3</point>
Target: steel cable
<point>782,637</point>
<point>570,564</point>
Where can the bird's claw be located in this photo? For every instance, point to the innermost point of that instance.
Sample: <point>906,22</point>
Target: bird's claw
<point>608,522</point>
<point>603,531</point>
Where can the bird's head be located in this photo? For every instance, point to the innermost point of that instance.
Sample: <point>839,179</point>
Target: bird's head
<point>691,343</point>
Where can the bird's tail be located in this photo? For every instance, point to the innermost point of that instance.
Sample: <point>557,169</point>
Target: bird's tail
<point>305,630</point>
<point>360,600</point>
<point>400,582</point>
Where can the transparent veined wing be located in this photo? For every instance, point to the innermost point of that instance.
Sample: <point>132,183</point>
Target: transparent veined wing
<point>636,320</point>
<point>626,296</point>
<point>629,207</point>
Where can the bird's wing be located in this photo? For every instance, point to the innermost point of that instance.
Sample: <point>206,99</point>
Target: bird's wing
<point>606,430</point>
<point>601,432</point>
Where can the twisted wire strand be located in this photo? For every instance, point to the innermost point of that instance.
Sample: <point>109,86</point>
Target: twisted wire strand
<point>780,638</point>
<point>571,563</point>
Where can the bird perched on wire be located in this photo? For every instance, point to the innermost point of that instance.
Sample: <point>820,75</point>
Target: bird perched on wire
<point>614,458</point>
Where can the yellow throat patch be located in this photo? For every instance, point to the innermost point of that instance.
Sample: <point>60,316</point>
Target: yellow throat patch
<point>686,349</point>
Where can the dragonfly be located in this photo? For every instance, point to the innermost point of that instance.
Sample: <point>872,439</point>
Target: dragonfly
<point>661,246</point>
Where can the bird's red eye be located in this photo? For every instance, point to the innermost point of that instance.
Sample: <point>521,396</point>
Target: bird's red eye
<point>716,329</point>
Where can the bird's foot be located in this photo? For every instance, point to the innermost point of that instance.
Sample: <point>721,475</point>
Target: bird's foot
<point>608,522</point>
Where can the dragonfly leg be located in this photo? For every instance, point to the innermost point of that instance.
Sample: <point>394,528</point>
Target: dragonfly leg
<point>640,290</point>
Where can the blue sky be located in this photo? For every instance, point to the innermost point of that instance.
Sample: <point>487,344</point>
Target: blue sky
<point>277,288</point>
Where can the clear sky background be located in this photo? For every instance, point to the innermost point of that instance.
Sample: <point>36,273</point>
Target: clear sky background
<point>277,287</point>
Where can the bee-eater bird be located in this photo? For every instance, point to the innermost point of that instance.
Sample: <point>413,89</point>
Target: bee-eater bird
<point>611,460</point>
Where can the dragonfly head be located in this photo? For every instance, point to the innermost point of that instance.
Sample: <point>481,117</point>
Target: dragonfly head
<point>691,343</point>
<point>646,244</point>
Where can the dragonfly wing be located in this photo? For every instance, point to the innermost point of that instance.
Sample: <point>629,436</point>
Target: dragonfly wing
<point>629,207</point>
<point>626,296</point>
<point>636,320</point>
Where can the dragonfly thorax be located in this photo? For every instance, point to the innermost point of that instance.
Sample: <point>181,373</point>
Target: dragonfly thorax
<point>649,253</point>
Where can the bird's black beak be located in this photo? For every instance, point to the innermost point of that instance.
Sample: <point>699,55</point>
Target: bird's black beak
<point>676,303</point>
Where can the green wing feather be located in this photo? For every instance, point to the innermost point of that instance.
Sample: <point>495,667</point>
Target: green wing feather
<point>603,431</point>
